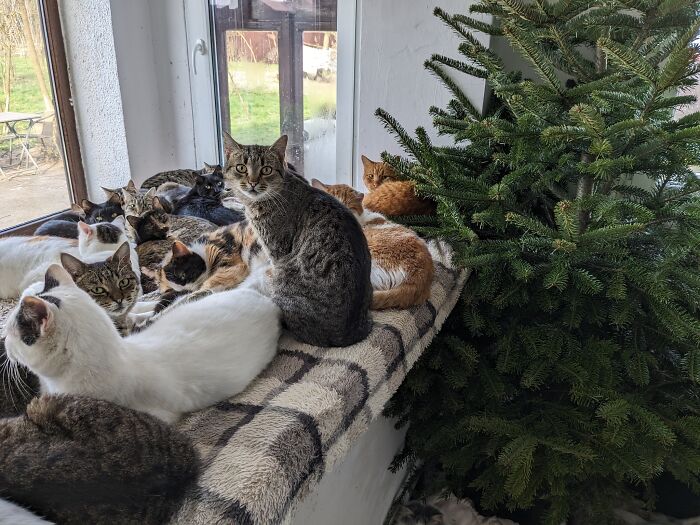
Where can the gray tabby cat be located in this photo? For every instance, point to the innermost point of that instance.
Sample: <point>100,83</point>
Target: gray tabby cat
<point>187,177</point>
<point>321,263</point>
<point>111,283</point>
<point>77,460</point>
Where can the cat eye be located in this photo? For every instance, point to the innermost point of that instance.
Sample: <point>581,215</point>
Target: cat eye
<point>98,290</point>
<point>241,168</point>
<point>208,187</point>
<point>266,170</point>
<point>123,283</point>
<point>98,218</point>
<point>114,216</point>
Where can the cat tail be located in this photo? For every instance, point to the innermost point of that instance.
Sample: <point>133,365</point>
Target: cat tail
<point>414,290</point>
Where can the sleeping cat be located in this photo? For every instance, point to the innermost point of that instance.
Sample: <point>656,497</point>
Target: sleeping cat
<point>402,267</point>
<point>218,261</point>
<point>66,224</point>
<point>204,200</point>
<point>198,354</point>
<point>186,177</point>
<point>112,283</point>
<point>153,225</point>
<point>23,260</point>
<point>320,259</point>
<point>78,460</point>
<point>389,195</point>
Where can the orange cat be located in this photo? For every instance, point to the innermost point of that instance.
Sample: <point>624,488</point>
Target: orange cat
<point>389,195</point>
<point>402,268</point>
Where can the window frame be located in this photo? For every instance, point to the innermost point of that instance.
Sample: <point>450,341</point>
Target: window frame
<point>65,114</point>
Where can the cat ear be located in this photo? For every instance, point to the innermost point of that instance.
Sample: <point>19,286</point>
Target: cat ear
<point>318,184</point>
<point>112,195</point>
<point>133,220</point>
<point>72,265</point>
<point>36,311</point>
<point>87,206</point>
<point>119,221</point>
<point>180,250</point>
<point>367,163</point>
<point>77,209</point>
<point>131,186</point>
<point>209,167</point>
<point>280,146</point>
<point>122,255</point>
<point>158,204</point>
<point>230,145</point>
<point>85,229</point>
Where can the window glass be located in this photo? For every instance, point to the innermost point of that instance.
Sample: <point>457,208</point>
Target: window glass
<point>276,72</point>
<point>33,176</point>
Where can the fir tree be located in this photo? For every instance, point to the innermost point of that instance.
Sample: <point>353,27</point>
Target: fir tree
<point>567,378</point>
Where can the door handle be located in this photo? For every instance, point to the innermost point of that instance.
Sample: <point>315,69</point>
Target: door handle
<point>200,47</point>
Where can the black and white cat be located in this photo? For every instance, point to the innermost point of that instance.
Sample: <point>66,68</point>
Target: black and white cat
<point>196,355</point>
<point>24,260</point>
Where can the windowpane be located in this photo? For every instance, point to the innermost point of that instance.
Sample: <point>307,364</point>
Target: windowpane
<point>253,83</point>
<point>276,72</point>
<point>320,61</point>
<point>33,177</point>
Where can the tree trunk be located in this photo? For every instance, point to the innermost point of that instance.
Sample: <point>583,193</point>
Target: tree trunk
<point>7,81</point>
<point>34,55</point>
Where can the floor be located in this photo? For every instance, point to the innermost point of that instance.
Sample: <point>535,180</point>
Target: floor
<point>28,194</point>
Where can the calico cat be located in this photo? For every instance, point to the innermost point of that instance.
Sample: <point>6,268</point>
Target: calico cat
<point>23,260</point>
<point>320,259</point>
<point>402,267</point>
<point>77,460</point>
<point>198,354</point>
<point>186,177</point>
<point>218,261</point>
<point>204,200</point>
<point>112,283</point>
<point>389,195</point>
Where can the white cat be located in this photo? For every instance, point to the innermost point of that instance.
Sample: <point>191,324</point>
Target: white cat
<point>198,354</point>
<point>24,260</point>
<point>11,514</point>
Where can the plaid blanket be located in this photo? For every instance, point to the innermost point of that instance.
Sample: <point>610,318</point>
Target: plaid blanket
<point>264,449</point>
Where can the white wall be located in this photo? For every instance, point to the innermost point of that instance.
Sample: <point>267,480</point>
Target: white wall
<point>395,37</point>
<point>152,59</point>
<point>87,29</point>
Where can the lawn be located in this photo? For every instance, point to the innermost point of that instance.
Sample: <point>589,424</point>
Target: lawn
<point>255,105</point>
<point>25,96</point>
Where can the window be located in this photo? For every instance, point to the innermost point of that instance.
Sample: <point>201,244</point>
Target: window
<point>276,71</point>
<point>40,168</point>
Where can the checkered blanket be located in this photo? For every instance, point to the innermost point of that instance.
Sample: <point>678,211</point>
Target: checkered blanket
<point>263,449</point>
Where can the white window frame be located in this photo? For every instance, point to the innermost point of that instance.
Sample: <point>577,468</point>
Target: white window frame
<point>203,88</point>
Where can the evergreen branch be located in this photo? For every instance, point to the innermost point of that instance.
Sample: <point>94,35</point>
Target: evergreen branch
<point>628,59</point>
<point>477,25</point>
<point>528,48</point>
<point>453,87</point>
<point>391,124</point>
<point>459,66</point>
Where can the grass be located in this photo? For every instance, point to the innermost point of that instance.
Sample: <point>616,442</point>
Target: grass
<point>255,104</point>
<point>25,96</point>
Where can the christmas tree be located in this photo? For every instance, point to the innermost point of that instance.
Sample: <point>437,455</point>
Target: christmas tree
<point>567,378</point>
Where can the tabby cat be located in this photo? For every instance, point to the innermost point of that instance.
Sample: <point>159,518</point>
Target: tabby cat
<point>389,195</point>
<point>402,267</point>
<point>186,177</point>
<point>204,200</point>
<point>111,283</point>
<point>320,259</point>
<point>78,460</point>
